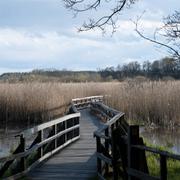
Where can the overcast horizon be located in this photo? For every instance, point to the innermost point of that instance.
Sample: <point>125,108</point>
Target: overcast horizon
<point>41,34</point>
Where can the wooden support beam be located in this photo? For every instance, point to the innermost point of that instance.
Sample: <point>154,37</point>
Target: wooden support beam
<point>133,137</point>
<point>99,165</point>
<point>107,149</point>
<point>163,167</point>
<point>114,153</point>
<point>39,140</point>
<point>23,149</point>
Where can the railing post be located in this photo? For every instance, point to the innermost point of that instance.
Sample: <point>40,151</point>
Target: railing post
<point>40,139</point>
<point>163,167</point>
<point>22,163</point>
<point>55,132</point>
<point>65,127</point>
<point>107,148</point>
<point>73,132</point>
<point>114,154</point>
<point>99,165</point>
<point>23,148</point>
<point>54,142</point>
<point>78,119</point>
<point>133,137</point>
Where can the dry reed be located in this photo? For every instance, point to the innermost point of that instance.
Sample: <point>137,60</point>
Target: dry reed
<point>29,103</point>
<point>152,102</point>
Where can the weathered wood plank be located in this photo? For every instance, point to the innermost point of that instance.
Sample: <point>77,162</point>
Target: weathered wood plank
<point>48,124</point>
<point>78,160</point>
<point>87,98</point>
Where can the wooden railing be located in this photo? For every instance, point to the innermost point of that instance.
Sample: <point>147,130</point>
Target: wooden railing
<point>104,112</point>
<point>50,138</point>
<point>106,147</point>
<point>122,151</point>
<point>135,150</point>
<point>85,102</point>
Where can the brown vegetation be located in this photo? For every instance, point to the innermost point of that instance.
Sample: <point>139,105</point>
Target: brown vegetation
<point>151,102</point>
<point>29,103</point>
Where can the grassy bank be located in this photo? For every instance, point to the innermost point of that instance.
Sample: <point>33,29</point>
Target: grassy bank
<point>153,161</point>
<point>150,102</point>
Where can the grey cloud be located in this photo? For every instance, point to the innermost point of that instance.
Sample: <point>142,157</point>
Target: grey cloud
<point>38,17</point>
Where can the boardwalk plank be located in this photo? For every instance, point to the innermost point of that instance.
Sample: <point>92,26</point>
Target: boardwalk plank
<point>75,161</point>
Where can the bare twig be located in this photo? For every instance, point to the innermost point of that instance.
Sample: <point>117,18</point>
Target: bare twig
<point>169,33</point>
<point>78,6</point>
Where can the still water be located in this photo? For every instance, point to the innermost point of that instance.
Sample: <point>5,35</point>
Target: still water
<point>165,137</point>
<point>8,141</point>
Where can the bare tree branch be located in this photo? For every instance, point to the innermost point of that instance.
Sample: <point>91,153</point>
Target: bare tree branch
<point>170,30</point>
<point>78,6</point>
<point>171,33</point>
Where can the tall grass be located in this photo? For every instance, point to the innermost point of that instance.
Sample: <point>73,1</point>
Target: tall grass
<point>151,102</point>
<point>29,103</point>
<point>154,103</point>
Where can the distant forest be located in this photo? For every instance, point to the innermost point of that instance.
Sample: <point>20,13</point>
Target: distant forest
<point>159,69</point>
<point>166,68</point>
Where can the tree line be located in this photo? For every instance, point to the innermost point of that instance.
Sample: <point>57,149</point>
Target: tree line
<point>158,69</point>
<point>51,75</point>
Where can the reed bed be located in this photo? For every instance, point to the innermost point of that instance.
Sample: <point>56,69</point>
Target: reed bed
<point>33,103</point>
<point>152,102</point>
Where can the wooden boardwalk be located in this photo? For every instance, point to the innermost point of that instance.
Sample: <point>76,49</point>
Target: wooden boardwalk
<point>78,160</point>
<point>120,153</point>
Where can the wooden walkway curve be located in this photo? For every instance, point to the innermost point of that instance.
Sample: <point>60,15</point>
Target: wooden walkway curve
<point>116,152</point>
<point>78,160</point>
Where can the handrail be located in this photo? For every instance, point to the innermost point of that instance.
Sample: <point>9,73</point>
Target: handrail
<point>118,134</point>
<point>136,146</point>
<point>38,145</point>
<point>107,125</point>
<point>81,103</point>
<point>48,124</point>
<point>106,151</point>
<point>44,147</point>
<point>107,108</point>
<point>88,98</point>
<point>63,131</point>
<point>157,151</point>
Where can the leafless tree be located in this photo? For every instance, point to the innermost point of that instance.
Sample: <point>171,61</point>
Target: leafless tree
<point>115,7</point>
<point>169,34</point>
<point>170,30</point>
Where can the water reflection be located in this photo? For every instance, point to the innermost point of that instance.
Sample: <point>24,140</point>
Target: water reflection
<point>8,141</point>
<point>166,137</point>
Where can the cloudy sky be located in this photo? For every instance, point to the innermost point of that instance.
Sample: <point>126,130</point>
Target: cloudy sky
<point>43,34</point>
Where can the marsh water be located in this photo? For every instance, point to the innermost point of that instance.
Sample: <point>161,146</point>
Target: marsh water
<point>169,138</point>
<point>8,141</point>
<point>165,137</point>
